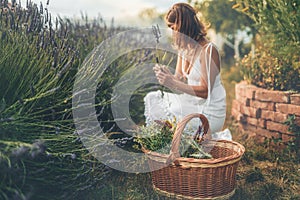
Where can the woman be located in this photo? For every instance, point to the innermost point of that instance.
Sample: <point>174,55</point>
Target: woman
<point>196,82</point>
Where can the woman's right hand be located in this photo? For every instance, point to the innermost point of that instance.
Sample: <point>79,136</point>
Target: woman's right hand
<point>157,68</point>
<point>163,68</point>
<point>164,76</point>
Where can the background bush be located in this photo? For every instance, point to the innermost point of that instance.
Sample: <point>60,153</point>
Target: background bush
<point>275,64</point>
<point>41,155</point>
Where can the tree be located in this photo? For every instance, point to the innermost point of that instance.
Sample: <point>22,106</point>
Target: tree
<point>276,62</point>
<point>227,21</point>
<point>151,14</point>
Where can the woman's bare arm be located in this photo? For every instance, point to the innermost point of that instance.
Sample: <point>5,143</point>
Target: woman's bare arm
<point>201,90</point>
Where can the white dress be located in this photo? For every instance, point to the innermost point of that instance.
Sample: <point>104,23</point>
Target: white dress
<point>170,105</point>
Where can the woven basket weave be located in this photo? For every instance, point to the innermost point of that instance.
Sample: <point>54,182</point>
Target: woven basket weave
<point>189,178</point>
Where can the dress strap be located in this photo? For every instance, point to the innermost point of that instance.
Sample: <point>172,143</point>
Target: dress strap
<point>207,64</point>
<point>206,45</point>
<point>186,73</point>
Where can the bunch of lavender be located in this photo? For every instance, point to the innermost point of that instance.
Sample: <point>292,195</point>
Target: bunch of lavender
<point>158,137</point>
<point>39,58</point>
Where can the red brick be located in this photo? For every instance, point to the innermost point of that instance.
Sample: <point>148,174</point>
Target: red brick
<point>280,117</point>
<point>252,121</point>
<point>236,105</point>
<point>287,108</point>
<point>243,89</point>
<point>244,101</point>
<point>262,123</point>
<point>259,134</point>
<point>236,115</point>
<point>287,138</point>
<point>297,120</point>
<point>267,133</point>
<point>250,92</point>
<point>251,112</point>
<point>274,116</point>
<point>272,96</point>
<point>251,130</point>
<point>239,91</point>
<point>256,122</point>
<point>262,105</point>
<point>249,127</point>
<point>295,99</point>
<point>282,128</point>
<point>268,115</point>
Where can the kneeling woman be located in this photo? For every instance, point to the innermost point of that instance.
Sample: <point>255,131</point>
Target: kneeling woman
<point>196,83</point>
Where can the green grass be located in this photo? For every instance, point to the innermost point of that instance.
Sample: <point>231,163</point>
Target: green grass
<point>41,156</point>
<point>264,171</point>
<point>274,177</point>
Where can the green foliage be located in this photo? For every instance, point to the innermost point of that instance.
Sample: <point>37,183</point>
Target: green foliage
<point>263,173</point>
<point>158,137</point>
<point>254,175</point>
<point>276,63</point>
<point>294,127</point>
<point>266,71</point>
<point>155,137</point>
<point>41,57</point>
<point>270,191</point>
<point>41,155</point>
<point>232,74</point>
<point>231,24</point>
<point>276,19</point>
<point>222,17</point>
<point>37,171</point>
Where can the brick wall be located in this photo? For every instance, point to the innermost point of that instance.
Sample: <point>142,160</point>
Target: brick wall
<point>261,113</point>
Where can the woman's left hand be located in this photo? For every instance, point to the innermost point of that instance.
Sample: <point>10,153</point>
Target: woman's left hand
<point>164,76</point>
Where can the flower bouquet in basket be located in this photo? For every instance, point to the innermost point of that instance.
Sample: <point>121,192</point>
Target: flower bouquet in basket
<point>189,167</point>
<point>157,137</point>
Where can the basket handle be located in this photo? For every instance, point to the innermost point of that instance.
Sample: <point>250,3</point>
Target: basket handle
<point>174,153</point>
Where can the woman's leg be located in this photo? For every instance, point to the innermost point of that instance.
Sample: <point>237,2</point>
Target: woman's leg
<point>154,107</point>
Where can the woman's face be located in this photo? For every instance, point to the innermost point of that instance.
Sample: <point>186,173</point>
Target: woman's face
<point>172,26</point>
<point>174,30</point>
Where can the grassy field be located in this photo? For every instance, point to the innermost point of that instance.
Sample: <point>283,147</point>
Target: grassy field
<point>264,172</point>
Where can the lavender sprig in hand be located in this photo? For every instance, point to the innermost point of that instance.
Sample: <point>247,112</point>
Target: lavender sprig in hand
<point>157,34</point>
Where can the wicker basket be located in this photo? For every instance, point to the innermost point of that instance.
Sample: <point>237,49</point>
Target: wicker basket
<point>189,178</point>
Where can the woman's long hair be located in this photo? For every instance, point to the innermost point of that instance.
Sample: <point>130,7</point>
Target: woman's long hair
<point>183,19</point>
